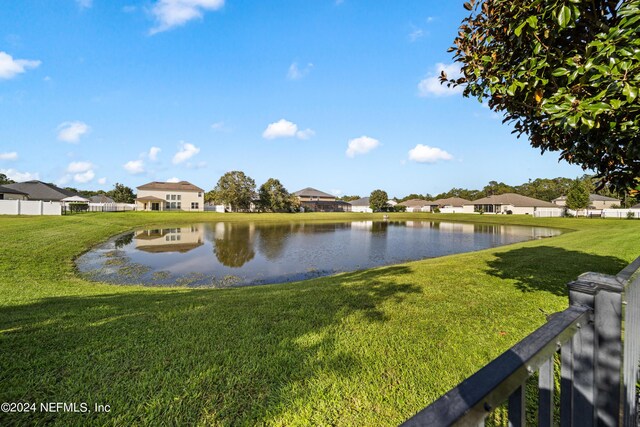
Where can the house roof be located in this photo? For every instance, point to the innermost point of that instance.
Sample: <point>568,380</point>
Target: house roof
<point>363,201</point>
<point>513,199</point>
<point>170,186</point>
<point>101,198</point>
<point>592,198</point>
<point>450,201</point>
<point>7,190</point>
<point>635,206</point>
<point>412,203</point>
<point>38,190</point>
<point>312,192</point>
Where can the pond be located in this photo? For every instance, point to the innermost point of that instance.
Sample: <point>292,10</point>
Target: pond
<point>226,254</point>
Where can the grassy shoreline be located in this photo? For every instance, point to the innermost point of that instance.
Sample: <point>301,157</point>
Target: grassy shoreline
<point>366,347</point>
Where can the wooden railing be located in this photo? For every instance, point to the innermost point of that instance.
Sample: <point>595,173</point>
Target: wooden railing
<point>597,378</point>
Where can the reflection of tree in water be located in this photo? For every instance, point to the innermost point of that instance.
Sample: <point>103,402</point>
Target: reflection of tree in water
<point>379,226</point>
<point>124,240</point>
<point>273,239</point>
<point>235,247</point>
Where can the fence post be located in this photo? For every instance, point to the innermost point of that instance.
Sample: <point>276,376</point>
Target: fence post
<point>598,361</point>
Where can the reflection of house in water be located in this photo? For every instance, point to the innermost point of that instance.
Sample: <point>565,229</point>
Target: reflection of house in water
<point>180,240</point>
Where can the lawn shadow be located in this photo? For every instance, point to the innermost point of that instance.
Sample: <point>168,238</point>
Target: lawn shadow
<point>547,268</point>
<point>227,357</point>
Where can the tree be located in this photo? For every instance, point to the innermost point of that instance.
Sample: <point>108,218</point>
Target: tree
<point>578,196</point>
<point>4,179</point>
<point>349,198</point>
<point>378,200</point>
<point>235,189</point>
<point>274,197</point>
<point>566,73</point>
<point>122,194</point>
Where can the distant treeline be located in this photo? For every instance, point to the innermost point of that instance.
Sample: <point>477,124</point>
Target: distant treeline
<point>541,188</point>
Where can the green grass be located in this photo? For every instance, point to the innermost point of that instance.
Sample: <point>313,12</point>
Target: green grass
<point>362,348</point>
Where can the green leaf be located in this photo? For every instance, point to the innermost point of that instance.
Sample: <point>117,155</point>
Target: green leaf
<point>519,28</point>
<point>630,92</point>
<point>563,16</point>
<point>560,72</point>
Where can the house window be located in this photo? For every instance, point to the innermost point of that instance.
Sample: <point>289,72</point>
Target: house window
<point>173,197</point>
<point>199,194</point>
<point>167,205</point>
<point>178,205</point>
<point>168,197</point>
<point>194,205</point>
<point>173,205</point>
<point>178,197</point>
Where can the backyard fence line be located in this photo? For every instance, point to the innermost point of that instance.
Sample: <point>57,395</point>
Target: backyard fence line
<point>29,207</point>
<point>599,369</point>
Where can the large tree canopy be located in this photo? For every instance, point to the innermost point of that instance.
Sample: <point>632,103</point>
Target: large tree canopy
<point>235,189</point>
<point>564,72</point>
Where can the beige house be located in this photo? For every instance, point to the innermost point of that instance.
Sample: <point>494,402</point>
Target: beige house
<point>416,205</point>
<point>511,203</point>
<point>596,201</point>
<point>312,200</point>
<point>450,204</point>
<point>170,196</point>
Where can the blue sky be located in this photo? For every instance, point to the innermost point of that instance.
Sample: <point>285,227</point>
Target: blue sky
<point>336,95</point>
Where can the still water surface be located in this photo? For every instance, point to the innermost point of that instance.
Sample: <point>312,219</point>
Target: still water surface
<point>227,254</point>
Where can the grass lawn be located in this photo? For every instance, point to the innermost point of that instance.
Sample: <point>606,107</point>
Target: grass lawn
<point>362,348</point>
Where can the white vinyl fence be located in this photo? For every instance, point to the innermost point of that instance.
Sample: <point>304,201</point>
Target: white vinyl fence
<point>548,213</point>
<point>111,207</point>
<point>29,207</point>
<point>621,213</point>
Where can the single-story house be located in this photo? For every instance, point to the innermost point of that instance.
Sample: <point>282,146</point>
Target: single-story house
<point>449,205</point>
<point>596,201</point>
<point>416,205</point>
<point>38,190</point>
<point>101,198</point>
<point>11,194</point>
<point>361,205</point>
<point>635,206</point>
<point>512,203</point>
<point>312,200</point>
<point>170,196</point>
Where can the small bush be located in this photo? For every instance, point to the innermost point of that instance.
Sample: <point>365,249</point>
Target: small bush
<point>631,215</point>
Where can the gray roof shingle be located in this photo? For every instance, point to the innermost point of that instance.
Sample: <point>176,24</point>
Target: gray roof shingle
<point>38,190</point>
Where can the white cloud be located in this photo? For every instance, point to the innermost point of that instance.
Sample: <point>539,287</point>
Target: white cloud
<point>430,85</point>
<point>9,67</point>
<point>174,179</point>
<point>361,145</point>
<point>425,154</point>
<point>415,34</point>
<point>173,13</point>
<point>296,73</point>
<point>102,181</point>
<point>280,129</point>
<point>84,177</point>
<point>286,129</point>
<point>218,126</point>
<point>84,4</point>
<point>305,134</point>
<point>19,176</point>
<point>77,167</point>
<point>153,153</point>
<point>9,156</point>
<point>185,152</point>
<point>72,131</point>
<point>134,167</point>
